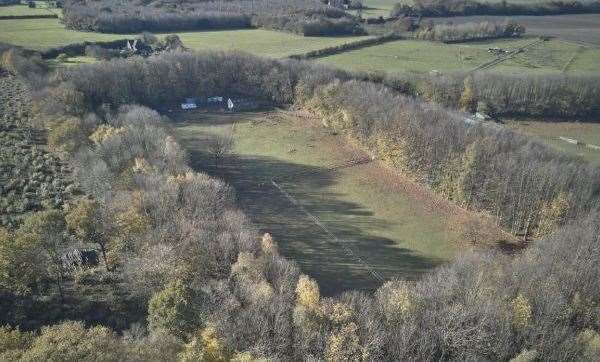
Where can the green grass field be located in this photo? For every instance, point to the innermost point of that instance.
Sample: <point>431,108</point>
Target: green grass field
<point>18,10</point>
<point>47,33</point>
<point>260,42</point>
<point>549,133</point>
<point>423,56</point>
<point>376,8</point>
<point>395,226</point>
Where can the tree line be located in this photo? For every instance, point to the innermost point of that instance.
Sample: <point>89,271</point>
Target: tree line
<point>454,33</point>
<point>173,241</point>
<point>306,17</point>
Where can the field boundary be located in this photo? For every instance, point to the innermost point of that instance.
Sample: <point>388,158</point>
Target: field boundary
<point>23,17</point>
<point>337,49</point>
<point>331,235</point>
<point>77,49</point>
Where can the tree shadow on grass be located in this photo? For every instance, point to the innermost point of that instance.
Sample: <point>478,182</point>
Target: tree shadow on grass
<point>338,263</point>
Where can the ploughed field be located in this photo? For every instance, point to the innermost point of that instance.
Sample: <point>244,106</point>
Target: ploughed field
<point>346,220</point>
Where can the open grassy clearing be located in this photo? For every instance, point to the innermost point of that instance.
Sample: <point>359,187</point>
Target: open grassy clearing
<point>549,133</point>
<point>398,228</point>
<point>423,56</point>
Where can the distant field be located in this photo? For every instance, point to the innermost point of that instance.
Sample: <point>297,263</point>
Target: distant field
<point>376,8</point>
<point>422,56</point>
<point>260,42</point>
<point>395,226</point>
<point>46,33</point>
<point>549,133</point>
<point>575,28</point>
<point>18,10</point>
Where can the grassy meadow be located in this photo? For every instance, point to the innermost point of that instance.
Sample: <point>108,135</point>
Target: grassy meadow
<point>549,133</point>
<point>398,228</point>
<point>46,33</point>
<point>21,10</point>
<point>418,56</point>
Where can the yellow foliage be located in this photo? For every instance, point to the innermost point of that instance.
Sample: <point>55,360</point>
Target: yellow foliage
<point>337,312</point>
<point>66,135</point>
<point>525,356</point>
<point>468,99</point>
<point>268,245</point>
<point>182,178</point>
<point>521,312</point>
<point>80,219</point>
<point>132,222</point>
<point>205,347</point>
<point>344,345</point>
<point>247,266</point>
<point>141,166</point>
<point>104,132</point>
<point>447,186</point>
<point>307,292</point>
<point>394,152</point>
<point>246,357</point>
<point>590,341</point>
<point>396,300</point>
<point>553,214</point>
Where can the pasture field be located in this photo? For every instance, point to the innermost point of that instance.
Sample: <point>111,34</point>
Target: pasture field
<point>377,8</point>
<point>46,33</point>
<point>394,226</point>
<point>423,56</point>
<point>578,28</point>
<point>19,10</point>
<point>40,34</point>
<point>549,133</point>
<point>261,42</point>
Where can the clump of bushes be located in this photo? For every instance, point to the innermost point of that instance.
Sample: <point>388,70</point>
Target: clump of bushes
<point>451,33</point>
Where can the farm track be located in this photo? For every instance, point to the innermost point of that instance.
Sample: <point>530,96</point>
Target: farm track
<point>508,56</point>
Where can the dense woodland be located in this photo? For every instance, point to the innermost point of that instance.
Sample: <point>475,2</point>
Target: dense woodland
<point>442,8</point>
<point>184,276</point>
<point>307,17</point>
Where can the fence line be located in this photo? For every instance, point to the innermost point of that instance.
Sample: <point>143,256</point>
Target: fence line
<point>332,236</point>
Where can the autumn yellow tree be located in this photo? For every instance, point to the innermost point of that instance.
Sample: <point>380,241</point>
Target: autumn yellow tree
<point>84,220</point>
<point>468,98</point>
<point>206,346</point>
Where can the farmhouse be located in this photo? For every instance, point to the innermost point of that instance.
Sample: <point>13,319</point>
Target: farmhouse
<point>231,103</point>
<point>237,104</point>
